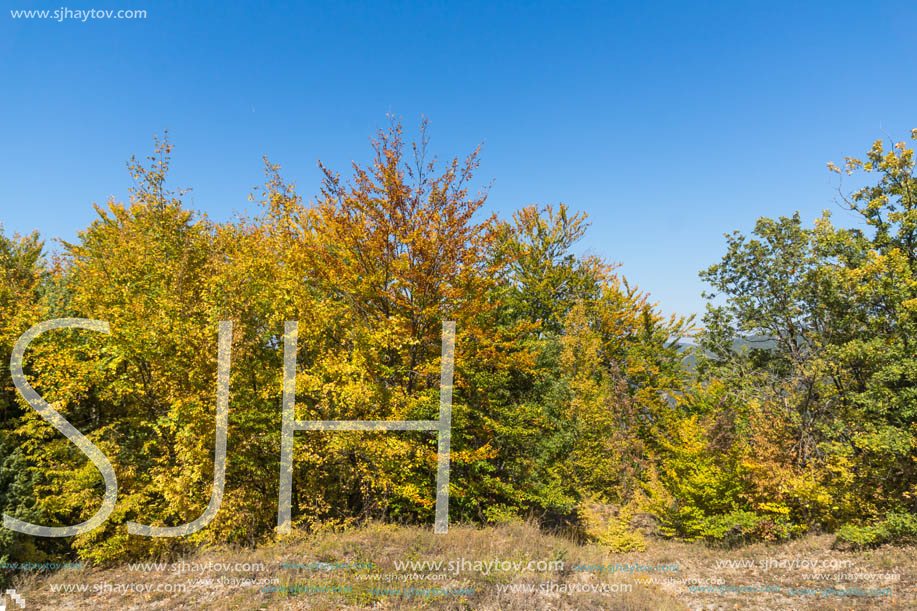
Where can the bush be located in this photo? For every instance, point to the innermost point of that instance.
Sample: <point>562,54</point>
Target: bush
<point>611,526</point>
<point>897,527</point>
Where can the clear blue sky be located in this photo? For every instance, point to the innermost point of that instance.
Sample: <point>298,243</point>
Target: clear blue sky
<point>669,123</point>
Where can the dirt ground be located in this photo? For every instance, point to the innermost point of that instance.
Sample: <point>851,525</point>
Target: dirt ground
<point>508,567</point>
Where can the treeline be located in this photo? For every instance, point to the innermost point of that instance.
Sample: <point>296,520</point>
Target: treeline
<point>573,402</point>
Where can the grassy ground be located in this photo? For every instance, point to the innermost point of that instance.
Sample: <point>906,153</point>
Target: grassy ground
<point>377,547</point>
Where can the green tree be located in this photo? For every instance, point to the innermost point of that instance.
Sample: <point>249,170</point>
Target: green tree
<point>24,282</point>
<point>817,331</point>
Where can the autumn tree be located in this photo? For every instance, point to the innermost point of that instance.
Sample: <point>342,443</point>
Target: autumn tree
<point>815,336</point>
<point>25,282</point>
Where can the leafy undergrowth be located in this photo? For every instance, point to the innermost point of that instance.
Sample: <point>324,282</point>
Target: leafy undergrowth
<point>360,567</point>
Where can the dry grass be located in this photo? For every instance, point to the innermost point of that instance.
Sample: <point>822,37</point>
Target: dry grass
<point>382,545</point>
